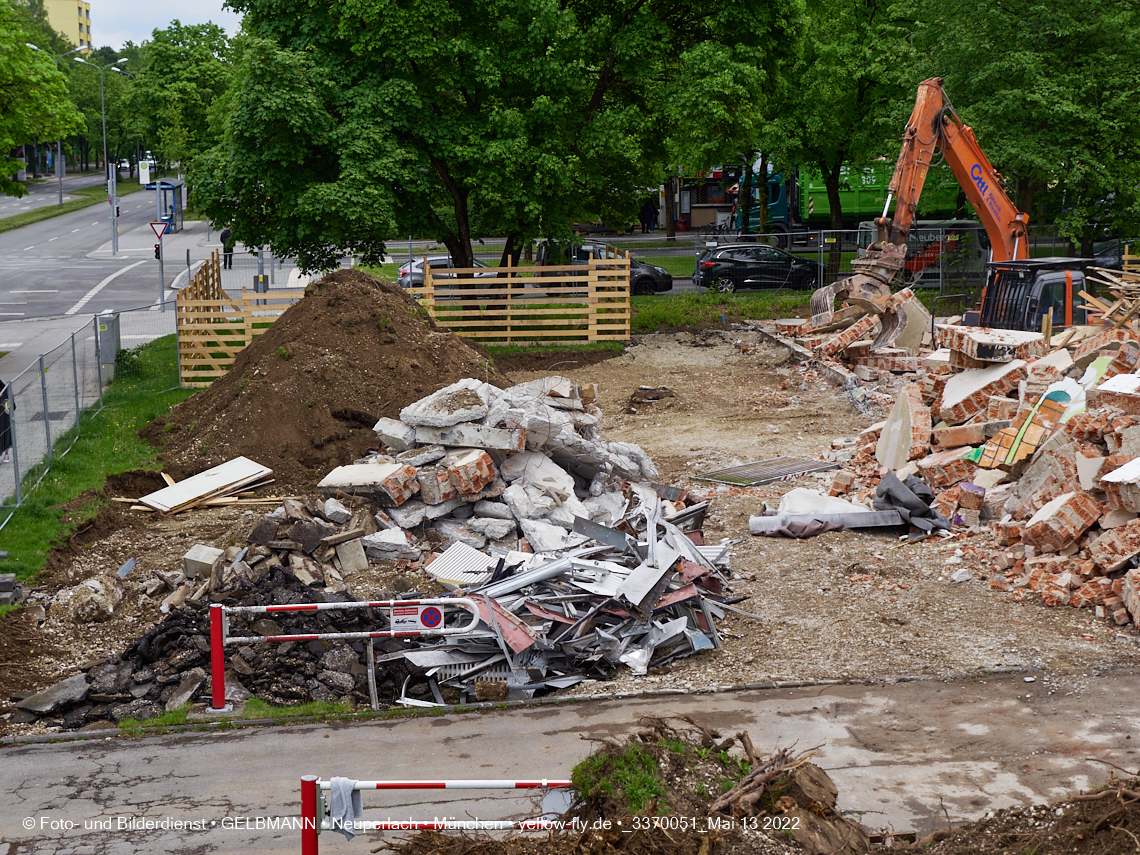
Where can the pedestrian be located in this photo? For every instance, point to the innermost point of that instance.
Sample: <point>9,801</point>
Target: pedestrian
<point>646,217</point>
<point>227,237</point>
<point>5,425</point>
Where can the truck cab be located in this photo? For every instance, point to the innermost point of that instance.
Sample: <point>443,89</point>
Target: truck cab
<point>1019,294</point>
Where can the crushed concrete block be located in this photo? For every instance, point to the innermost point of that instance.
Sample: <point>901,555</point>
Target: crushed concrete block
<point>394,434</point>
<point>336,512</point>
<point>468,400</point>
<point>937,362</point>
<point>470,470</point>
<point>917,325</point>
<point>457,531</point>
<point>495,529</point>
<point>351,555</point>
<point>1052,471</point>
<point>968,393</point>
<point>1088,471</point>
<point>906,435</point>
<point>408,515</point>
<point>434,512</point>
<point>473,436</point>
<point>960,362</point>
<point>1116,518</point>
<point>65,692</point>
<point>1122,486</point>
<point>545,537</point>
<point>192,680</point>
<point>946,468</point>
<point>493,510</point>
<point>864,373</point>
<point>421,456</point>
<point>1109,340</point>
<point>842,482</point>
<point>1126,361</point>
<point>993,345</point>
<point>435,485</point>
<point>987,479</point>
<point>1130,593</point>
<point>391,484</point>
<point>1113,549</point>
<point>1061,521</point>
<point>960,575</point>
<point>389,545</point>
<point>95,599</point>
<point>197,562</point>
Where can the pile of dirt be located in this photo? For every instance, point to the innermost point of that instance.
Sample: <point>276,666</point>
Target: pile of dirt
<point>304,396</point>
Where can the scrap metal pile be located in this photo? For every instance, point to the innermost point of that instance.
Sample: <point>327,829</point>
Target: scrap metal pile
<point>1031,438</point>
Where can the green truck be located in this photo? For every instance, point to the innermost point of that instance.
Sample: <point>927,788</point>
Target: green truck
<point>798,208</point>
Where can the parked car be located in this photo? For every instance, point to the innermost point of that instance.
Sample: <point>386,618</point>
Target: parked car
<point>643,278</point>
<point>411,273</point>
<point>737,267</point>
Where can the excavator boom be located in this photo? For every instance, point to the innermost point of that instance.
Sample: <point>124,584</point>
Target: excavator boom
<point>933,128</point>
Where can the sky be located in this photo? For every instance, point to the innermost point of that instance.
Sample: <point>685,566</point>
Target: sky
<point>114,22</point>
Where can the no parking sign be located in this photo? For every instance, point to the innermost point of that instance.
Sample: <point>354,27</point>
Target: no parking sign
<point>415,617</point>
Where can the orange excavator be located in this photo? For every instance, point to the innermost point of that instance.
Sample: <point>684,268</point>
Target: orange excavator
<point>1018,291</point>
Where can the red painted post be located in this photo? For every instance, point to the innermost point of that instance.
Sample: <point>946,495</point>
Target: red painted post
<point>309,818</point>
<point>217,658</point>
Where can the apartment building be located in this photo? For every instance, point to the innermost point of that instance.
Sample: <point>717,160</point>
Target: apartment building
<point>72,18</point>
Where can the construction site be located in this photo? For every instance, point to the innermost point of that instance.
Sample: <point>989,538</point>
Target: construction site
<point>366,510</point>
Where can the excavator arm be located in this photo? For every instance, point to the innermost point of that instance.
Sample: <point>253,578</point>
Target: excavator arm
<point>933,128</point>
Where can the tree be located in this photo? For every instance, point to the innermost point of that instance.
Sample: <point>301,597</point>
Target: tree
<point>356,124</point>
<point>843,95</point>
<point>33,99</point>
<point>181,72</point>
<point>1050,89</point>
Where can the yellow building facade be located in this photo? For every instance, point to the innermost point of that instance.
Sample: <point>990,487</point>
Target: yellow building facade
<point>72,18</point>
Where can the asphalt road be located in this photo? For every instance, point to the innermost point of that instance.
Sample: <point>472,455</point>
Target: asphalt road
<point>42,195</point>
<point>897,753</point>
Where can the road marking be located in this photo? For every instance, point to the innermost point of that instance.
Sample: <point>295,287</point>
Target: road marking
<point>11,344</point>
<point>87,297</point>
<point>73,231</point>
<point>13,314</point>
<point>95,223</point>
<point>44,291</point>
<point>26,248</point>
<point>54,238</point>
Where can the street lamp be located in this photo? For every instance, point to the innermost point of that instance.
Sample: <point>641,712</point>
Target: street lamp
<point>112,175</point>
<point>59,166</point>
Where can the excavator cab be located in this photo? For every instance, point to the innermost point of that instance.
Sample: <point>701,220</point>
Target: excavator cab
<point>1019,294</point>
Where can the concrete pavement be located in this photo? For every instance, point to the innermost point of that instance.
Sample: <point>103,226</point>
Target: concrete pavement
<point>897,754</point>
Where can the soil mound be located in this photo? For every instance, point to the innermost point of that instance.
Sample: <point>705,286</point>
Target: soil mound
<point>304,396</point>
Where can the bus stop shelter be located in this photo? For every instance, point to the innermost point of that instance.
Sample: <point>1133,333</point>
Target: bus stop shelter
<point>169,193</point>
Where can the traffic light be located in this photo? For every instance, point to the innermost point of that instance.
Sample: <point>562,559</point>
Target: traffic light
<point>116,212</point>
<point>156,246</point>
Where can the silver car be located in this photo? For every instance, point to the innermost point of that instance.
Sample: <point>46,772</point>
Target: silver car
<point>411,273</point>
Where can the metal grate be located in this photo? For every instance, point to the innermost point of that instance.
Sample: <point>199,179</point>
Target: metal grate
<point>766,471</point>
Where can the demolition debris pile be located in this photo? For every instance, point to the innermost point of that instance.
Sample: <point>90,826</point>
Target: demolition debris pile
<point>302,397</point>
<point>577,561</point>
<point>1034,440</point>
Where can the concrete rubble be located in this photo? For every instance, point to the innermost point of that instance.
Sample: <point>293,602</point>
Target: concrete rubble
<point>579,561</point>
<point>1031,449</point>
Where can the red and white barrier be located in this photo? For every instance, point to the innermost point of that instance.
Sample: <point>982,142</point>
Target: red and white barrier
<point>314,820</point>
<point>413,617</point>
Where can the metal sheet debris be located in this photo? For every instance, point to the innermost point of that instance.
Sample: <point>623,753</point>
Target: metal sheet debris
<point>766,471</point>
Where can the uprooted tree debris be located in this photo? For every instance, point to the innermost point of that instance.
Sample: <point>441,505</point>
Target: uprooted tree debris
<point>1025,446</point>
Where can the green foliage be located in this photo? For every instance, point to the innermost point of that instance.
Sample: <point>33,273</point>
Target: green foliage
<point>629,774</point>
<point>107,443</point>
<point>283,353</point>
<point>33,93</point>
<point>5,609</point>
<point>353,125</point>
<point>677,746</point>
<point>257,708</point>
<point>1050,90</point>
<point>167,719</point>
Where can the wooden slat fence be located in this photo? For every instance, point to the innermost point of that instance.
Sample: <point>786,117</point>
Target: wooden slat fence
<point>532,305</point>
<point>213,327</point>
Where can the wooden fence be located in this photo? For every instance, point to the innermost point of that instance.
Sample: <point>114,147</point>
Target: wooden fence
<point>532,305</point>
<point>213,327</point>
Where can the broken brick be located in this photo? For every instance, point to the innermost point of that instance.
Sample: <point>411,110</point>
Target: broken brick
<point>1061,521</point>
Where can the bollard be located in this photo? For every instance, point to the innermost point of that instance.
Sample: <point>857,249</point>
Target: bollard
<point>217,659</point>
<point>310,822</point>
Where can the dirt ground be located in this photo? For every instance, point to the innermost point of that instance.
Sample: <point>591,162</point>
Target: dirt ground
<point>844,605</point>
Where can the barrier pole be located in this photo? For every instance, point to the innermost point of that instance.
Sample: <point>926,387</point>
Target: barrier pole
<point>309,819</point>
<point>217,659</point>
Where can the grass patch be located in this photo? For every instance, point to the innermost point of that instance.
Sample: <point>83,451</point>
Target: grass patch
<point>107,442</point>
<point>5,609</point>
<point>705,310</point>
<point>167,719</point>
<point>257,708</point>
<point>630,775</point>
<point>88,196</point>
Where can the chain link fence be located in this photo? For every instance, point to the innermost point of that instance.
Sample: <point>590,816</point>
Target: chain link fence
<point>47,404</point>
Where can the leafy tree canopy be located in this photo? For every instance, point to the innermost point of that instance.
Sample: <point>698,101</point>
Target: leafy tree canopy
<point>1051,89</point>
<point>357,123</point>
<point>33,94</point>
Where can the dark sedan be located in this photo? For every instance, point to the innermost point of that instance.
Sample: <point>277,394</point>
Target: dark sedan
<point>745,266</point>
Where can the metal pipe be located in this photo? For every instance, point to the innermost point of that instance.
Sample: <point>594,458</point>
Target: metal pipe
<point>47,416</point>
<point>12,439</point>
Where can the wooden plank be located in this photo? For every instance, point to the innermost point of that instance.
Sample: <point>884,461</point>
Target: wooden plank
<point>224,478</point>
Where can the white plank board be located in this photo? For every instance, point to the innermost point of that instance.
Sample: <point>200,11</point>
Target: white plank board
<point>218,481</point>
